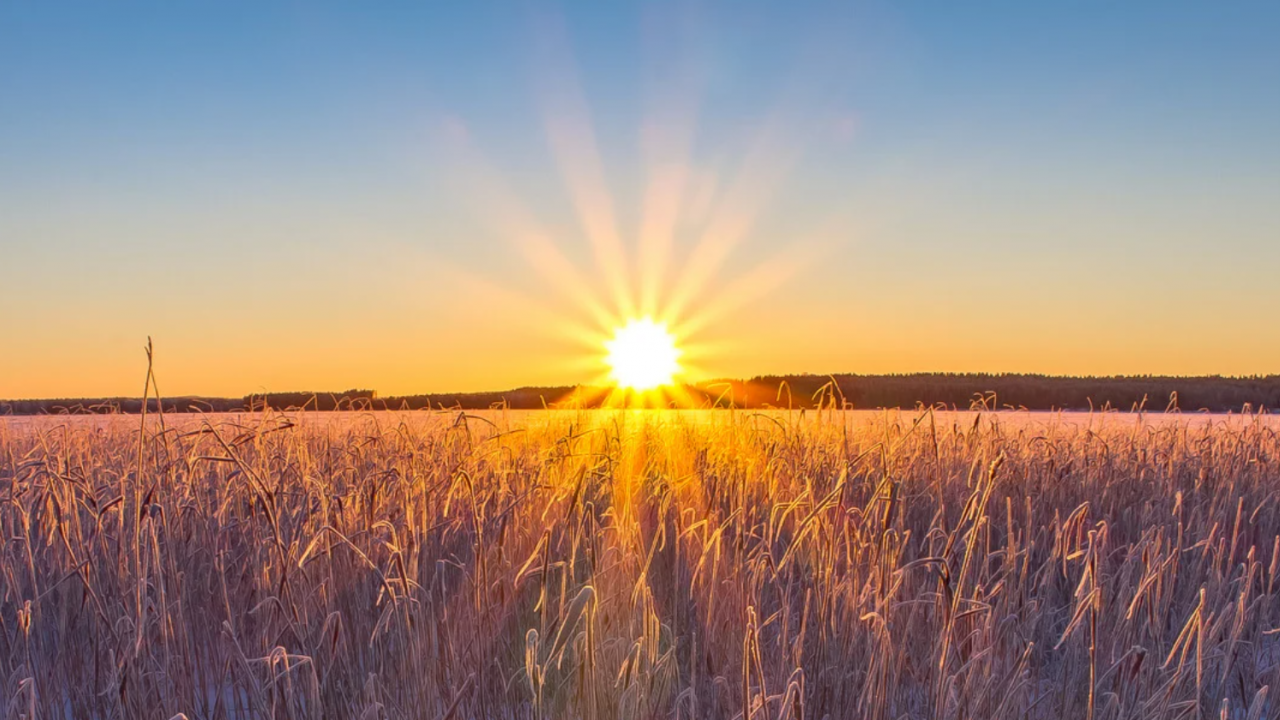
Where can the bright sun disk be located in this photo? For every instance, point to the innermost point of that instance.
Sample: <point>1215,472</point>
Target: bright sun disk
<point>642,355</point>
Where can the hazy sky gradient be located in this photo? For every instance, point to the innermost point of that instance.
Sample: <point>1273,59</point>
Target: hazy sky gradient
<point>321,196</point>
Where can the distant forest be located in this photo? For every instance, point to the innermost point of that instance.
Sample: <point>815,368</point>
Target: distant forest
<point>949,390</point>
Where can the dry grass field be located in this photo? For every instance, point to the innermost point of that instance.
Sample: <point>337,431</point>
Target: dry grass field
<point>637,564</point>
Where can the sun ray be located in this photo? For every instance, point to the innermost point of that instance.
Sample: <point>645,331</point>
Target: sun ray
<point>501,209</point>
<point>567,120</point>
<point>653,278</point>
<point>551,321</point>
<point>760,280</point>
<point>673,89</point>
<point>735,213</point>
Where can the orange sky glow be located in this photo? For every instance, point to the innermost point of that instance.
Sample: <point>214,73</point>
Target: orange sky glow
<point>841,215</point>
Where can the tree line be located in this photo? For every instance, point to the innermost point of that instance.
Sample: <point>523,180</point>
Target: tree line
<point>950,390</point>
<point>1007,391</point>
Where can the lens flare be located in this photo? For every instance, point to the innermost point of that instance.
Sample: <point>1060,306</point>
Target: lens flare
<point>642,355</point>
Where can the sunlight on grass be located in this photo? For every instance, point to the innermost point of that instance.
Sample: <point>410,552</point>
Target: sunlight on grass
<point>635,565</point>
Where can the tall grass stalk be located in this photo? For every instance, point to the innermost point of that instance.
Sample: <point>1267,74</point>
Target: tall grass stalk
<point>623,564</point>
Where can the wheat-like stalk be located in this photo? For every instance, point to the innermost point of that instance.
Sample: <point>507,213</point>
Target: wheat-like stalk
<point>621,564</point>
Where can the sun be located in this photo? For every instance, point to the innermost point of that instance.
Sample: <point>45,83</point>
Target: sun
<point>642,355</point>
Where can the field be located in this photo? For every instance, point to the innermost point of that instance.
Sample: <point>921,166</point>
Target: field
<point>636,564</point>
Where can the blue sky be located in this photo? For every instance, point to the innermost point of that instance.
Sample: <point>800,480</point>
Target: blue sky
<point>290,195</point>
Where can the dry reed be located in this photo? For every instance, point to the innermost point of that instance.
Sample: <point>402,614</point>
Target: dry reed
<point>622,564</point>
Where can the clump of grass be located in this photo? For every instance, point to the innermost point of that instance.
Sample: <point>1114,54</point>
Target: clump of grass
<point>618,564</point>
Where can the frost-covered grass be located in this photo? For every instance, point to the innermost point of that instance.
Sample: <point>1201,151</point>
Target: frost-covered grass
<point>640,564</point>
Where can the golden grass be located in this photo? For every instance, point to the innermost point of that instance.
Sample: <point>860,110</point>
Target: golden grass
<point>630,564</point>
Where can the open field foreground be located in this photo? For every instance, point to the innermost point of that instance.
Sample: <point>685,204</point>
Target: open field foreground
<point>627,564</point>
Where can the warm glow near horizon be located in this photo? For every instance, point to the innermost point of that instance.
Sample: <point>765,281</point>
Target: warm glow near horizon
<point>466,200</point>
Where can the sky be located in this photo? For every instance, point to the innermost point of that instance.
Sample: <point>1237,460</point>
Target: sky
<point>432,197</point>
